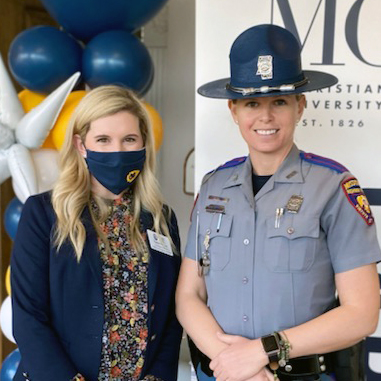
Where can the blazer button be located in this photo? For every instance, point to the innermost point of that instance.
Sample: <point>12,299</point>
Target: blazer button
<point>153,337</point>
<point>152,307</point>
<point>25,374</point>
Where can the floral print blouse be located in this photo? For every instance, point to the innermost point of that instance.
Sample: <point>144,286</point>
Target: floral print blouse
<point>125,289</point>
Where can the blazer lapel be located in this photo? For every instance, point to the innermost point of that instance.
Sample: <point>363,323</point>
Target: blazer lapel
<point>92,256</point>
<point>153,270</point>
<point>90,250</point>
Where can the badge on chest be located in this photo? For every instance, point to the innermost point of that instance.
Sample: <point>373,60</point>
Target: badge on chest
<point>159,242</point>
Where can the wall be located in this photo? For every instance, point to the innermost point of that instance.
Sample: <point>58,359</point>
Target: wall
<point>171,41</point>
<point>178,111</point>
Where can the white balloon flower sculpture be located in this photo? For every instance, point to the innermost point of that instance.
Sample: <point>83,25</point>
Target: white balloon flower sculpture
<point>22,133</point>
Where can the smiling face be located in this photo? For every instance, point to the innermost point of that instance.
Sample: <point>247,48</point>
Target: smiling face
<point>267,124</point>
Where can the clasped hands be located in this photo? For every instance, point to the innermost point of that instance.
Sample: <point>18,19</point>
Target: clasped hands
<point>242,360</point>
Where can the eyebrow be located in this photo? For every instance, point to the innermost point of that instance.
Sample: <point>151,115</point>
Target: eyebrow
<point>107,136</point>
<point>101,136</point>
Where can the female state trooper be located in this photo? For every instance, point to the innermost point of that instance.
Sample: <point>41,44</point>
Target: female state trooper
<point>274,234</point>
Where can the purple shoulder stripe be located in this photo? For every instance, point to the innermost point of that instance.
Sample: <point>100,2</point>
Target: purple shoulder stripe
<point>323,161</point>
<point>230,163</point>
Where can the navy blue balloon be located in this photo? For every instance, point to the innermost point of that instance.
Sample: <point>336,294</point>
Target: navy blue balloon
<point>117,57</point>
<point>9,366</point>
<point>43,57</point>
<point>85,19</point>
<point>145,90</point>
<point>12,217</point>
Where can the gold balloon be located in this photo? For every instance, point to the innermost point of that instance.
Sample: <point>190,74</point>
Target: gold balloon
<point>30,99</point>
<point>8,280</point>
<point>59,129</point>
<point>157,125</point>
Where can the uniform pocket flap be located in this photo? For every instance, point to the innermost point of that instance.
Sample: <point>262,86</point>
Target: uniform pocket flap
<point>216,224</point>
<point>293,227</point>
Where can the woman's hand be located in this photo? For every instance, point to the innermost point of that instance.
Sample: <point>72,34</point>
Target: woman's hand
<point>242,360</point>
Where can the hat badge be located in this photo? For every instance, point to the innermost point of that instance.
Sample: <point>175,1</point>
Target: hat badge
<point>265,67</point>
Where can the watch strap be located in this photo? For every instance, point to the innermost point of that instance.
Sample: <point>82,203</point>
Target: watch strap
<point>273,354</point>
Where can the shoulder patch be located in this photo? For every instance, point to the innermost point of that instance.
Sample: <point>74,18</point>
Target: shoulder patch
<point>357,199</point>
<point>230,163</point>
<point>323,162</point>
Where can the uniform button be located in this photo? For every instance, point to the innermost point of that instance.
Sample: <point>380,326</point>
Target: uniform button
<point>246,241</point>
<point>208,231</point>
<point>152,307</point>
<point>25,374</point>
<point>290,230</point>
<point>245,318</point>
<point>245,280</point>
<point>153,337</point>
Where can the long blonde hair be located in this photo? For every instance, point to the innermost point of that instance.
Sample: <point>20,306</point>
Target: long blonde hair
<point>72,192</point>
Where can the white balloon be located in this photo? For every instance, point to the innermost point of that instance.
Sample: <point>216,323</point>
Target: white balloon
<point>23,173</point>
<point>6,319</point>
<point>4,169</point>
<point>7,137</point>
<point>11,110</point>
<point>34,127</point>
<point>46,165</point>
<point>20,132</point>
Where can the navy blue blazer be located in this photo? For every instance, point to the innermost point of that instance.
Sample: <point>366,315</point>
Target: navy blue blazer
<point>58,309</point>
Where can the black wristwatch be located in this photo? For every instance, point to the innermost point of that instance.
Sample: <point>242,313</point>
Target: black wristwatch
<point>272,348</point>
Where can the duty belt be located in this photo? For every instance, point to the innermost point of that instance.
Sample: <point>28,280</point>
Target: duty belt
<point>306,367</point>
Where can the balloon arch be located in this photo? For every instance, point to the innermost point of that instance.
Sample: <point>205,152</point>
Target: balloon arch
<point>95,45</point>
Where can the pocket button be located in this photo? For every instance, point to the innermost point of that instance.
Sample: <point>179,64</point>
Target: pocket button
<point>290,230</point>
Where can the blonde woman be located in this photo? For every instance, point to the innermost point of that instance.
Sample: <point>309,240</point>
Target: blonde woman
<point>95,261</point>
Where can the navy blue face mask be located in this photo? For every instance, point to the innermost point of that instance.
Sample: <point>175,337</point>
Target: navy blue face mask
<point>116,171</point>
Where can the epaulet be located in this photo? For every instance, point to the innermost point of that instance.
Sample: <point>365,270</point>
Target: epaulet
<point>230,163</point>
<point>323,162</point>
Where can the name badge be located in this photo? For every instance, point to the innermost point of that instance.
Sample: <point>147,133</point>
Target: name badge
<point>159,242</point>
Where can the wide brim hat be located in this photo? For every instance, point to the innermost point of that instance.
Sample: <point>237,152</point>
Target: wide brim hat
<point>265,60</point>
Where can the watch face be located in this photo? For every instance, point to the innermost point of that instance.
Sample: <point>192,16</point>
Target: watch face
<point>270,343</point>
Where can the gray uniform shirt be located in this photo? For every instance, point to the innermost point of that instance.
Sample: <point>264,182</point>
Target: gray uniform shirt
<point>264,277</point>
